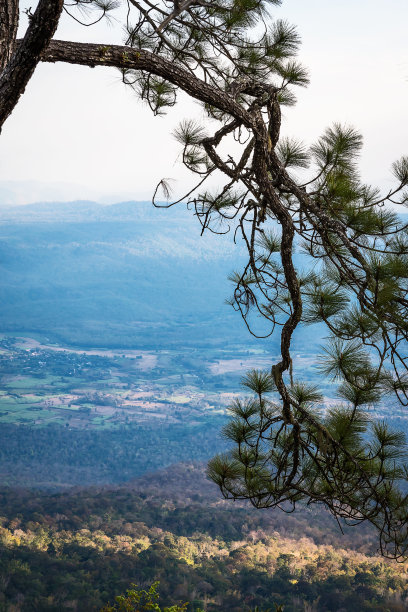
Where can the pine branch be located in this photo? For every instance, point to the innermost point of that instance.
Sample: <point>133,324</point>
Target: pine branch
<point>123,57</point>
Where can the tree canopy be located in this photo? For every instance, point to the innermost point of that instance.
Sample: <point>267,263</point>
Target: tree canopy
<point>243,67</point>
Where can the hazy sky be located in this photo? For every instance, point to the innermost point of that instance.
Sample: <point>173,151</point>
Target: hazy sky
<point>79,133</point>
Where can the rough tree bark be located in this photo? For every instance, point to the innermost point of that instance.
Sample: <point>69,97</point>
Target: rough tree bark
<point>19,64</point>
<point>8,30</point>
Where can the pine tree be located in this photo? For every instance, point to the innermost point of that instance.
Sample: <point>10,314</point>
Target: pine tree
<point>242,66</point>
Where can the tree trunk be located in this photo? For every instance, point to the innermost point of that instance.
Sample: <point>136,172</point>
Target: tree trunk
<point>8,30</point>
<point>19,67</point>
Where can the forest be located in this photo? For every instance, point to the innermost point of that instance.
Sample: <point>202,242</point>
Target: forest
<point>77,550</point>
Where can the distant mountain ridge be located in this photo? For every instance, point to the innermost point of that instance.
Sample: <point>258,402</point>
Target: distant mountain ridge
<point>172,232</point>
<point>83,272</point>
<point>121,275</point>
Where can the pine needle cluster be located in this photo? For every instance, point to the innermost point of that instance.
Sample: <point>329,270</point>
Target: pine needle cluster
<point>355,252</point>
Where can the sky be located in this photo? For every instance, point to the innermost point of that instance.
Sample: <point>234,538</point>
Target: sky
<point>79,133</point>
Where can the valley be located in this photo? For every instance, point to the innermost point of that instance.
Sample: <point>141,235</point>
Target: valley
<point>118,362</point>
<point>43,384</point>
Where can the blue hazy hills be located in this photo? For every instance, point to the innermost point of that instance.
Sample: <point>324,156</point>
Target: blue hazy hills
<point>118,276</point>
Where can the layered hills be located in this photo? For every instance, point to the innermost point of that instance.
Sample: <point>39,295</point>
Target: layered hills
<point>120,275</point>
